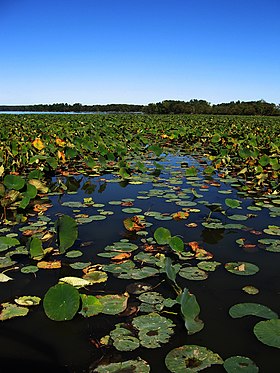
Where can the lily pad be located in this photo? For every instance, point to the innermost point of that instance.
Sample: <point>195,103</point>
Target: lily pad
<point>254,309</point>
<point>61,302</point>
<point>91,305</point>
<point>268,332</point>
<point>10,311</point>
<point>113,303</point>
<point>191,358</point>
<point>193,273</point>
<point>123,339</point>
<point>208,266</point>
<point>77,282</point>
<point>242,268</point>
<point>8,242</point>
<point>96,277</point>
<point>238,364</point>
<point>162,236</point>
<point>249,289</point>
<point>135,366</point>
<point>4,278</point>
<point>29,269</point>
<point>14,182</point>
<point>131,210</point>
<point>28,300</point>
<point>273,230</point>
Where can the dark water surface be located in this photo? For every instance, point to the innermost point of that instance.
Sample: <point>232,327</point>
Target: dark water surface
<point>37,344</point>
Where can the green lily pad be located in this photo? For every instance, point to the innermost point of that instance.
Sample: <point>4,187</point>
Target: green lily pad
<point>191,358</point>
<point>238,217</point>
<point>153,329</point>
<point>79,265</point>
<point>208,266</point>
<point>8,242</point>
<point>135,366</point>
<point>268,332</point>
<point>139,273</point>
<point>249,289</point>
<point>273,245</point>
<point>242,268</point>
<point>254,309</point>
<point>91,306</point>
<point>151,297</point>
<point>238,364</point>
<point>131,210</point>
<point>162,236</point>
<point>96,277</point>
<point>232,203</point>
<point>73,254</point>
<point>28,300</point>
<point>113,303</point>
<point>29,269</point>
<point>123,339</point>
<point>176,243</point>
<point>193,273</point>
<point>273,230</point>
<point>14,182</point>
<point>10,311</point>
<point>61,302</point>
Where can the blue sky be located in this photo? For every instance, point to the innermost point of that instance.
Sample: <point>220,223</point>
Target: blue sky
<point>139,51</point>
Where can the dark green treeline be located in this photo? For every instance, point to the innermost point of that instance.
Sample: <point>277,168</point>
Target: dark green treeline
<point>195,106</point>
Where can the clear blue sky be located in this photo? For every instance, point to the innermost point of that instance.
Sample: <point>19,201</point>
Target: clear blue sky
<point>139,51</point>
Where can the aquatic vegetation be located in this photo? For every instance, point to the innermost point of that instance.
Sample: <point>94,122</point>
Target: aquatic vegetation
<point>134,225</point>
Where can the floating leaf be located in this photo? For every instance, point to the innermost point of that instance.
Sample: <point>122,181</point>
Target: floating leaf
<point>131,210</point>
<point>4,278</point>
<point>14,182</point>
<point>273,230</point>
<point>61,302</point>
<point>250,290</point>
<point>208,266</point>
<point>49,265</point>
<point>113,303</point>
<point>29,269</point>
<point>135,366</point>
<point>236,364</point>
<point>191,358</point>
<point>77,282</point>
<point>8,242</point>
<point>9,311</point>
<point>91,306</point>
<point>238,217</point>
<point>123,339</point>
<point>254,309</point>
<point>162,235</point>
<point>232,203</point>
<point>67,232</point>
<point>153,329</point>
<point>242,268</point>
<point>73,254</point>
<point>38,144</point>
<point>28,300</point>
<point>193,273</point>
<point>176,243</point>
<point>96,277</point>
<point>268,332</point>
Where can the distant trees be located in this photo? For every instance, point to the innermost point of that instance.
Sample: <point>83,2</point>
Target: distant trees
<point>194,106</point>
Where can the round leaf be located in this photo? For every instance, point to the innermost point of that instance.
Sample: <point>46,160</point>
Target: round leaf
<point>238,364</point>
<point>268,332</point>
<point>61,302</point>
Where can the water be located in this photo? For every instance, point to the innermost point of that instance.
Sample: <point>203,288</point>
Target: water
<point>35,343</point>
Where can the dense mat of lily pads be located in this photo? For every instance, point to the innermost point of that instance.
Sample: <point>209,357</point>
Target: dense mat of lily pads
<point>54,170</point>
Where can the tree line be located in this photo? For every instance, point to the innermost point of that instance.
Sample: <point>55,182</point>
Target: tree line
<point>194,106</point>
